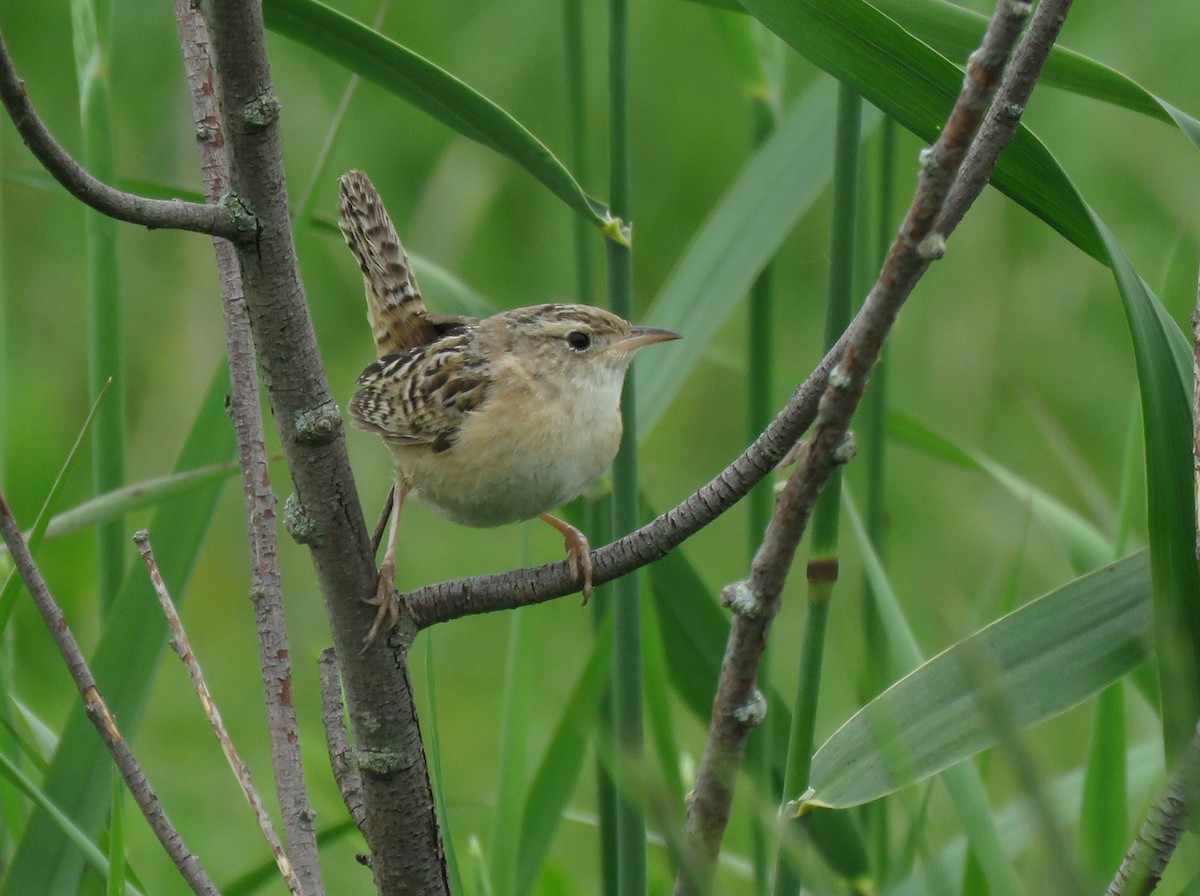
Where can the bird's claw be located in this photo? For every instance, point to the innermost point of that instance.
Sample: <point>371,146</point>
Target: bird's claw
<point>389,607</point>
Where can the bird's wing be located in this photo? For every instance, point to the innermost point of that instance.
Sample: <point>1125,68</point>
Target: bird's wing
<point>395,308</point>
<point>422,395</point>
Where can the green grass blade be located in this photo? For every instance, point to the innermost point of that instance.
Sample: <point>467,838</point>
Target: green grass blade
<point>514,745</point>
<point>963,782</point>
<point>66,828</point>
<point>552,783</point>
<point>777,185</point>
<point>129,648</point>
<point>137,496</point>
<point>1164,365</point>
<point>1042,659</point>
<point>115,882</point>
<point>12,585</point>
<point>431,89</point>
<point>1103,837</point>
<point>1086,546</point>
<point>106,362</point>
<point>438,780</point>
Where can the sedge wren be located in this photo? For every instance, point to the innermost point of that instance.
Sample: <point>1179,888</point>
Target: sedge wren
<point>491,420</point>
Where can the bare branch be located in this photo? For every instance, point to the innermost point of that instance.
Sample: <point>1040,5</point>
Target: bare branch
<point>259,500</point>
<point>224,220</point>
<point>183,648</point>
<point>98,712</point>
<point>1166,820</point>
<point>484,594</point>
<point>738,706</point>
<point>341,757</point>
<point>323,513</point>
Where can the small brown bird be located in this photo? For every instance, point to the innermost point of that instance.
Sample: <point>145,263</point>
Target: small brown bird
<point>493,420</point>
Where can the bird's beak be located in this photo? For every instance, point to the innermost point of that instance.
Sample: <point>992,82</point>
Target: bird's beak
<point>639,336</point>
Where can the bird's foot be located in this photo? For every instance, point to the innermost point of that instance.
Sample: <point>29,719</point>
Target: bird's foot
<point>579,559</point>
<point>385,599</point>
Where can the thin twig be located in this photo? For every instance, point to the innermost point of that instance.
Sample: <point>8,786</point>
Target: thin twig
<point>341,757</point>
<point>98,712</point>
<point>738,706</point>
<point>1166,820</point>
<point>183,648</point>
<point>258,499</point>
<point>217,220</point>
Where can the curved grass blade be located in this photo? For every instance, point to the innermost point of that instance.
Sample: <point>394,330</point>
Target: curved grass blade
<point>123,662</point>
<point>956,31</point>
<point>431,89</point>
<point>68,829</point>
<point>1041,659</point>
<point>916,85</point>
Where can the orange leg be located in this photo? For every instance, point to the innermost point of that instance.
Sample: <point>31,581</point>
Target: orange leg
<point>579,552</point>
<point>385,588</point>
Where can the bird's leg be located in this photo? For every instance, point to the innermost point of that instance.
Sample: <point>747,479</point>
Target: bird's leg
<point>385,588</point>
<point>579,552</point>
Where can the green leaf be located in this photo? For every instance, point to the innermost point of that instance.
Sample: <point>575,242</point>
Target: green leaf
<point>130,646</point>
<point>431,89</point>
<point>776,186</point>
<point>1040,660</point>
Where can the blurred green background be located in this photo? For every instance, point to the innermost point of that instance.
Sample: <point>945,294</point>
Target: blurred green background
<point>1015,345</point>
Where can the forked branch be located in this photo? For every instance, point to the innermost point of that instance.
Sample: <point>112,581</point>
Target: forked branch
<point>224,220</point>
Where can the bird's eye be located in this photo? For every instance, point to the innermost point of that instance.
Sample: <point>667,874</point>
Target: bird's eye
<point>579,340</point>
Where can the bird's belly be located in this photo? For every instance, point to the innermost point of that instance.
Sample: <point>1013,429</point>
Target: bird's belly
<point>510,467</point>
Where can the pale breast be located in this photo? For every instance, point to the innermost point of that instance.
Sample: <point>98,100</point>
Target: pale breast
<point>524,451</point>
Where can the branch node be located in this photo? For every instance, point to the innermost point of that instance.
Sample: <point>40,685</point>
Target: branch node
<point>302,527</point>
<point>380,762</point>
<point>318,426</point>
<point>262,111</point>
<point>751,713</point>
<point>243,219</point>
<point>740,599</point>
<point>927,158</point>
<point>932,248</point>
